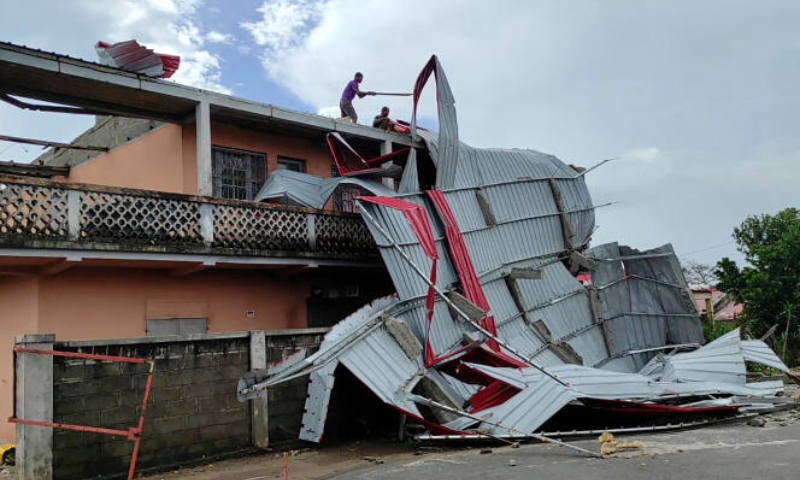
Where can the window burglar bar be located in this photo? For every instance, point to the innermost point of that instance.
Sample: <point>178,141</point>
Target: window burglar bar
<point>237,174</point>
<point>344,197</point>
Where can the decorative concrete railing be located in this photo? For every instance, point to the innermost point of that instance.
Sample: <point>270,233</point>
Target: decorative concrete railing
<point>45,214</point>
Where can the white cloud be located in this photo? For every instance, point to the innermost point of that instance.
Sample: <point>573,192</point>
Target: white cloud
<point>645,154</point>
<point>333,112</point>
<point>283,23</point>
<point>566,78</point>
<point>167,26</point>
<point>217,37</point>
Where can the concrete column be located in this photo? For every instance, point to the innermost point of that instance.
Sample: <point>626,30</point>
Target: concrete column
<point>260,414</point>
<point>203,127</point>
<point>386,148</point>
<point>74,214</point>
<point>207,223</point>
<point>34,401</point>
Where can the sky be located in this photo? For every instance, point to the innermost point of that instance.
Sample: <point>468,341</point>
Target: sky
<point>698,101</point>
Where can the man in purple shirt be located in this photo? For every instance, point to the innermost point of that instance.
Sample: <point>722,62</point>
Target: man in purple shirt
<point>349,93</point>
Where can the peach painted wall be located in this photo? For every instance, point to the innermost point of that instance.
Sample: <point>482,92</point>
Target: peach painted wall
<point>108,303</point>
<point>317,157</point>
<point>150,162</point>
<point>166,158</point>
<point>19,312</point>
<point>118,298</point>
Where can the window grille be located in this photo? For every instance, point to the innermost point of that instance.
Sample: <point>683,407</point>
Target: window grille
<point>344,198</point>
<point>237,174</point>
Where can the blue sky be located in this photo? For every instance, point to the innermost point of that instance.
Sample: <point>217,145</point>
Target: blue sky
<point>240,58</point>
<point>699,100</point>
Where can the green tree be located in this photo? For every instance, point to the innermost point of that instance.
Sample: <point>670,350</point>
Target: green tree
<point>769,286</point>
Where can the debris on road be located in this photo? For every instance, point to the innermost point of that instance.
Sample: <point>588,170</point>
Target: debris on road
<point>757,422</point>
<point>609,445</point>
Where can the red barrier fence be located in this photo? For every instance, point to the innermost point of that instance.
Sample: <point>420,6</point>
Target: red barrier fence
<point>133,434</point>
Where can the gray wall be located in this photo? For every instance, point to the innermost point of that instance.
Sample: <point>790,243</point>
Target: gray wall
<point>286,403</point>
<point>192,413</point>
<point>192,410</point>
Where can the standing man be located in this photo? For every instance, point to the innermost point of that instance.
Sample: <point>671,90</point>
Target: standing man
<point>349,93</point>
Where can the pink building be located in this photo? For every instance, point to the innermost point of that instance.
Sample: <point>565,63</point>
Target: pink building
<point>156,232</point>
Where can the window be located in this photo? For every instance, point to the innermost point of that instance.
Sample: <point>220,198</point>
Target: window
<point>237,174</point>
<point>344,197</point>
<point>293,164</point>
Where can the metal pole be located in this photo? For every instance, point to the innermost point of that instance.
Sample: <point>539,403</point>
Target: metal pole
<point>542,438</point>
<point>138,440</point>
<point>463,315</point>
<point>594,166</point>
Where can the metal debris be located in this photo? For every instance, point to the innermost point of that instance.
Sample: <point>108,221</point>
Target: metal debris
<point>490,330</point>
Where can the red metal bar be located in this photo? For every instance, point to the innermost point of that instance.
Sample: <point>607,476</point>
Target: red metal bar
<point>79,428</point>
<point>133,434</point>
<point>87,356</point>
<point>138,439</point>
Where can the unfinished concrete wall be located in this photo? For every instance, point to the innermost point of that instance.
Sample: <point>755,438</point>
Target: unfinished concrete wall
<point>192,412</point>
<point>287,402</point>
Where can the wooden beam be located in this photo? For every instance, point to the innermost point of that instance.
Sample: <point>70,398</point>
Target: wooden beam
<point>295,270</point>
<point>30,170</point>
<point>59,266</point>
<point>47,143</point>
<point>8,271</point>
<point>566,226</point>
<point>486,208</point>
<point>190,269</point>
<point>47,108</point>
<point>102,108</point>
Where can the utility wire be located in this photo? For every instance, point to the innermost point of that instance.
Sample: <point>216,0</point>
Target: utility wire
<point>708,248</point>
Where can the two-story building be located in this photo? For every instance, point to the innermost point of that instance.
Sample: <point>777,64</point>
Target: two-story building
<point>153,229</point>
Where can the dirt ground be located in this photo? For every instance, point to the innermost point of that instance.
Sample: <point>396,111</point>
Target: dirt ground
<point>304,464</point>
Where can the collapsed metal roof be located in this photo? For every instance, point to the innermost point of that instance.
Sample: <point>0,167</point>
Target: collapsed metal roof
<point>490,330</point>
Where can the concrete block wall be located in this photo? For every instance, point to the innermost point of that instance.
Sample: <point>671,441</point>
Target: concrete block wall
<point>192,412</point>
<point>287,402</point>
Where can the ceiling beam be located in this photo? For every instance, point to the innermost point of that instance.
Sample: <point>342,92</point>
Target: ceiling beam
<point>102,108</point>
<point>185,271</point>
<point>47,143</point>
<point>59,266</point>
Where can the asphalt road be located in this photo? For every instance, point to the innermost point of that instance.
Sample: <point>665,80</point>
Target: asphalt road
<point>725,452</point>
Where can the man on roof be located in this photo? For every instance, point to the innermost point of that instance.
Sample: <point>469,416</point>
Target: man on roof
<point>349,93</point>
<point>382,121</point>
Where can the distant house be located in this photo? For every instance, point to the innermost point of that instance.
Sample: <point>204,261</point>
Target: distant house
<point>723,308</point>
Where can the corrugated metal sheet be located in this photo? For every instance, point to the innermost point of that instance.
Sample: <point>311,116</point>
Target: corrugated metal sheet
<point>526,411</point>
<point>719,361</point>
<point>309,190</point>
<point>759,352</point>
<point>645,301</point>
<point>320,387</point>
<point>517,222</point>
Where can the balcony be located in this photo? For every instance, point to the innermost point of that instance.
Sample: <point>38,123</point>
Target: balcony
<point>42,214</point>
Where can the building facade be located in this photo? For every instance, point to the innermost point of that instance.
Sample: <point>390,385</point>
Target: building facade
<point>158,233</point>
